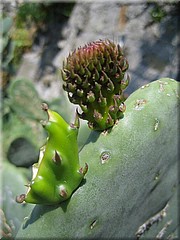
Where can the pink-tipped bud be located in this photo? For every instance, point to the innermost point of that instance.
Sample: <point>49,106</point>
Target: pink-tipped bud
<point>93,75</point>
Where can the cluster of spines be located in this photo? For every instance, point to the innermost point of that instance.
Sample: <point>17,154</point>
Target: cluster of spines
<point>94,77</point>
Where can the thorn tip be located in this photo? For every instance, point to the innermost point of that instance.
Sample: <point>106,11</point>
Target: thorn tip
<point>20,198</point>
<point>44,107</point>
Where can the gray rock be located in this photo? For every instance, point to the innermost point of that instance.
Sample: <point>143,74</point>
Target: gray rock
<point>151,48</point>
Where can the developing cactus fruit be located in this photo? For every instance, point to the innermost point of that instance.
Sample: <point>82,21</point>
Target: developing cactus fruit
<point>94,77</point>
<point>57,173</point>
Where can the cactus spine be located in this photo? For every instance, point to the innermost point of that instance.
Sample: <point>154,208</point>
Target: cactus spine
<point>57,173</point>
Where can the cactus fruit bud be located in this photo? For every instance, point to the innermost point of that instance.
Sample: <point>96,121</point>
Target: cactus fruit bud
<point>94,76</point>
<point>57,173</point>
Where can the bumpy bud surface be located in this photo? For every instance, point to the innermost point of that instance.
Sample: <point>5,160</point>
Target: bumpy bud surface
<point>94,77</point>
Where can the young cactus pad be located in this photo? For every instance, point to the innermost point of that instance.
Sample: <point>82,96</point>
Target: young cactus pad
<point>94,77</point>
<point>57,173</point>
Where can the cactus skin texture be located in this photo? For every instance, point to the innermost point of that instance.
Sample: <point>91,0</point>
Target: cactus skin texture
<point>94,77</point>
<point>132,175</point>
<point>57,173</point>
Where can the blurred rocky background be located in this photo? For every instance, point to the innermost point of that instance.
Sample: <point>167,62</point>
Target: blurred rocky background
<point>35,39</point>
<point>148,31</point>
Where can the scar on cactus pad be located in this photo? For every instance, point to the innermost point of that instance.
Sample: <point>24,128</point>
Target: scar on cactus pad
<point>57,173</point>
<point>94,77</point>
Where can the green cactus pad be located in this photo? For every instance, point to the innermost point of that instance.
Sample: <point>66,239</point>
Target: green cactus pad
<point>57,173</point>
<point>12,183</point>
<point>132,176</point>
<point>94,77</point>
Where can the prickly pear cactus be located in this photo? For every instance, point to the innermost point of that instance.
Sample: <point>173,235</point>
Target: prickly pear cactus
<point>131,184</point>
<point>57,173</point>
<point>94,77</point>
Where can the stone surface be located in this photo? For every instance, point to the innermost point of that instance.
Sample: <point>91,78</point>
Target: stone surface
<point>151,48</point>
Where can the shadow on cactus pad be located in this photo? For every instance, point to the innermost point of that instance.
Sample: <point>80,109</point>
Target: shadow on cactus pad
<point>22,153</point>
